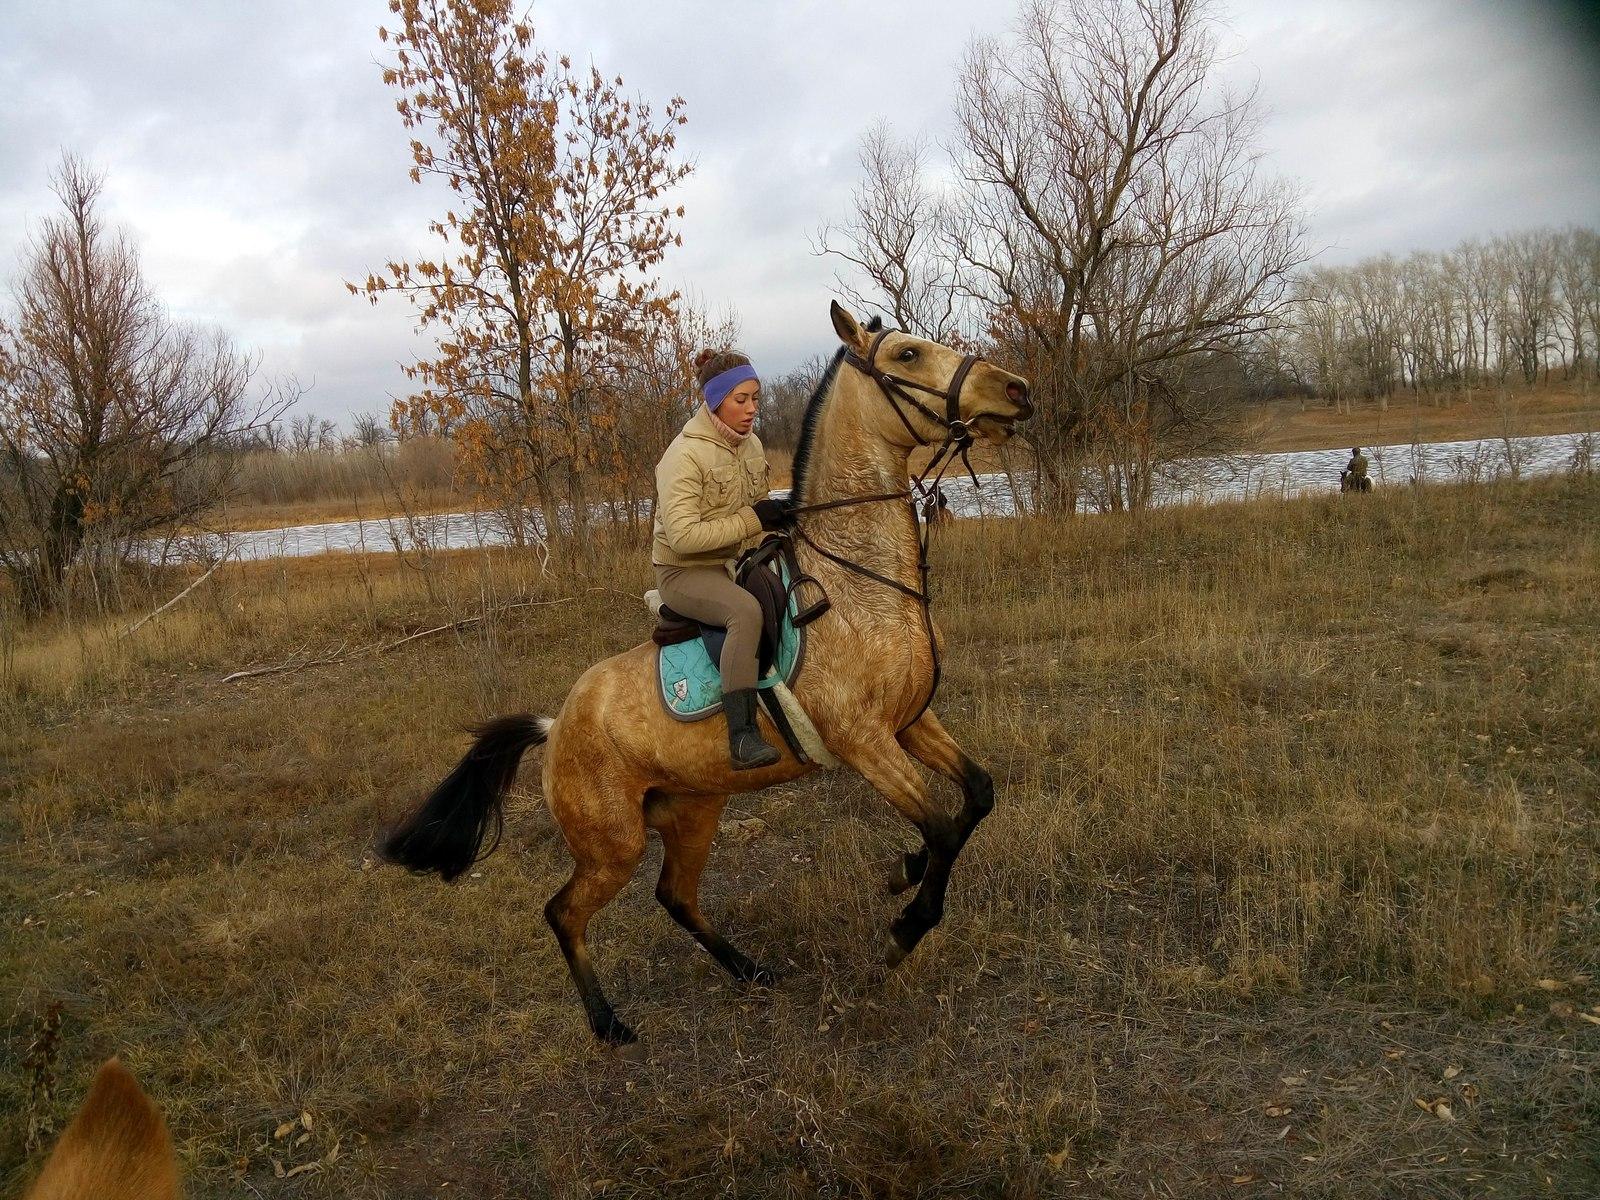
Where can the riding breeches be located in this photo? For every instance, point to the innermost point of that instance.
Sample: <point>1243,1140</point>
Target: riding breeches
<point>709,596</point>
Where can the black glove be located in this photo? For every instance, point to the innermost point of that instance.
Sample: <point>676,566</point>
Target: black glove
<point>774,514</point>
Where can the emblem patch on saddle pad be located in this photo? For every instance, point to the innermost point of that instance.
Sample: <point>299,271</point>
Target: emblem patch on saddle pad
<point>691,683</point>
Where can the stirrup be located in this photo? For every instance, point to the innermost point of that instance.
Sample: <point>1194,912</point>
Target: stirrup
<point>804,616</point>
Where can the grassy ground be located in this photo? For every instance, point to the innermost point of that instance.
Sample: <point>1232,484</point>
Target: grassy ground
<point>1291,887</point>
<point>1411,417</point>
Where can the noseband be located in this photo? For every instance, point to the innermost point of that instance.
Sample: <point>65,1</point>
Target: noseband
<point>957,437</point>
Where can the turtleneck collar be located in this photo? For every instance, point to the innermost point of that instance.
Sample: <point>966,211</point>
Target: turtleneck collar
<point>726,432</point>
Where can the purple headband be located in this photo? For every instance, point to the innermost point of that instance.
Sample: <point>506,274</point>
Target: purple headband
<point>718,387</point>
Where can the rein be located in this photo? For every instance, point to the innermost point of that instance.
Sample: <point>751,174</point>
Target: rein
<point>923,497</point>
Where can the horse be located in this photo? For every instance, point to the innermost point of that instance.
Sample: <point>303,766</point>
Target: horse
<point>617,765</point>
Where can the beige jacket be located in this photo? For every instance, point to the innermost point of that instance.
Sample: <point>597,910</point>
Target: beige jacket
<point>704,493</point>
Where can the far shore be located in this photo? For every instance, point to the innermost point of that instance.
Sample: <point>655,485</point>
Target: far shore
<point>1278,426</point>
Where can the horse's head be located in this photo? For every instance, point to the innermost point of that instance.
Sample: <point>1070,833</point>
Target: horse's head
<point>930,385</point>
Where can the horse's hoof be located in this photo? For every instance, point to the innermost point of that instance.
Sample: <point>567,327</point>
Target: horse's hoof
<point>894,954</point>
<point>615,1033</point>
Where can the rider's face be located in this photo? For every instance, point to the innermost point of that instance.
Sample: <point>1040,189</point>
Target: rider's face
<point>738,408</point>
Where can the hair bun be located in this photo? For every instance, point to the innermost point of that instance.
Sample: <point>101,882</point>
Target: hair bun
<point>704,357</point>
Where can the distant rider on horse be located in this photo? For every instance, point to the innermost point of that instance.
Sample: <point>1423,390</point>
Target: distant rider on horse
<point>1354,477</point>
<point>711,500</point>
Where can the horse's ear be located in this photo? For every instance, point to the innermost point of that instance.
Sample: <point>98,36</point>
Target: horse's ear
<point>117,1147</point>
<point>846,327</point>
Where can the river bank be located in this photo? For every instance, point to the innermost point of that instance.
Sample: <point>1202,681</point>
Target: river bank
<point>1276,426</point>
<point>1193,481</point>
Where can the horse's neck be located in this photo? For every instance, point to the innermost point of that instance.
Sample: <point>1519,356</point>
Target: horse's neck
<point>848,459</point>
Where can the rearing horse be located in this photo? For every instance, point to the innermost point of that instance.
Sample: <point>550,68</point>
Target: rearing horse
<point>617,765</point>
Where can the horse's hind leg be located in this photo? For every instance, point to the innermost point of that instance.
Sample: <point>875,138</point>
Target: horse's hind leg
<point>687,825</point>
<point>604,828</point>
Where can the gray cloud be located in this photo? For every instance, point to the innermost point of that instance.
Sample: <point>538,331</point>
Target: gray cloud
<point>1416,125</point>
<point>256,155</point>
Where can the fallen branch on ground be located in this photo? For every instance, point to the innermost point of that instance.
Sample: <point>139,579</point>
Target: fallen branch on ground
<point>384,647</point>
<point>151,616</point>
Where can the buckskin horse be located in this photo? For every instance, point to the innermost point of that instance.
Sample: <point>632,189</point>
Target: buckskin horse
<point>616,764</point>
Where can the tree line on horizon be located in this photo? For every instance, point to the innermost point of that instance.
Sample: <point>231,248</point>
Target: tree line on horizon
<point>1486,314</point>
<point>1100,223</point>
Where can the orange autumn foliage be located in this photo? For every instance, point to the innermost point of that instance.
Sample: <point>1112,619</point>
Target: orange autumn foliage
<point>543,282</point>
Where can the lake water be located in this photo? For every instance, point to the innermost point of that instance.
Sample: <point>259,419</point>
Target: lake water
<point>1192,481</point>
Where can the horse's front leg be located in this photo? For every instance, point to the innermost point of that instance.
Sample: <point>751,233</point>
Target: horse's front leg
<point>930,743</point>
<point>895,775</point>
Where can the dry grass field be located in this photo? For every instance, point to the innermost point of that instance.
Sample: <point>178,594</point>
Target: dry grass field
<point>1407,417</point>
<point>1291,887</point>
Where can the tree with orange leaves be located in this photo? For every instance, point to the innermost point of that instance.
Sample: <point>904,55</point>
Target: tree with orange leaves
<point>544,280</point>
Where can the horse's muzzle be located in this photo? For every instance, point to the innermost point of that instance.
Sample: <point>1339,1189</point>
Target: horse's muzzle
<point>1017,393</point>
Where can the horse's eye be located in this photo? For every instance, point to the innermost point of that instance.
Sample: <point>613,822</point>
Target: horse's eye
<point>907,355</point>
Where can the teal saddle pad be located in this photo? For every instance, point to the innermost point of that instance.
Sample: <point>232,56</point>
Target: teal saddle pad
<point>691,681</point>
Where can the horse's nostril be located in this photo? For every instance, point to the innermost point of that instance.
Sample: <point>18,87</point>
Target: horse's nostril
<point>1017,392</point>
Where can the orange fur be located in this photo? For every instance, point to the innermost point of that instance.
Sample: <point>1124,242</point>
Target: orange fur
<point>117,1147</point>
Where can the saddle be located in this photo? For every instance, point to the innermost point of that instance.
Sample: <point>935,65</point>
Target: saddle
<point>771,574</point>
<point>687,671</point>
<point>673,628</point>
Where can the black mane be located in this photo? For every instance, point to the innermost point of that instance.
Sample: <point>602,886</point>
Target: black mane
<point>813,417</point>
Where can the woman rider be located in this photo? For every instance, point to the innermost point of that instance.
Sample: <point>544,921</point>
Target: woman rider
<point>711,498</point>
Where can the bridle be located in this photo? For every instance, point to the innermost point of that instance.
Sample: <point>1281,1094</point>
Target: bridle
<point>957,437</point>
<point>925,497</point>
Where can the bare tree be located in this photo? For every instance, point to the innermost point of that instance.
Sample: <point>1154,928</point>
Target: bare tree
<point>1521,304</point>
<point>114,421</point>
<point>894,239</point>
<point>783,402</point>
<point>309,432</point>
<point>1530,259</point>
<point>369,429</point>
<point>1108,232</point>
<point>1578,279</point>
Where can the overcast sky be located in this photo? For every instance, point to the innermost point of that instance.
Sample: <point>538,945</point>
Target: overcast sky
<point>255,154</point>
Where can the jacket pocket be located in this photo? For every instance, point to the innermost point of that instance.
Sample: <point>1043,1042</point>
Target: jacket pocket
<point>756,477</point>
<point>721,490</point>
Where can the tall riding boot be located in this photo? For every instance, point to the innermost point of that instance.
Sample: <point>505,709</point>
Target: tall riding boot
<point>746,749</point>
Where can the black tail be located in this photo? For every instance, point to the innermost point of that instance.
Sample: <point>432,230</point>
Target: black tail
<point>447,831</point>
